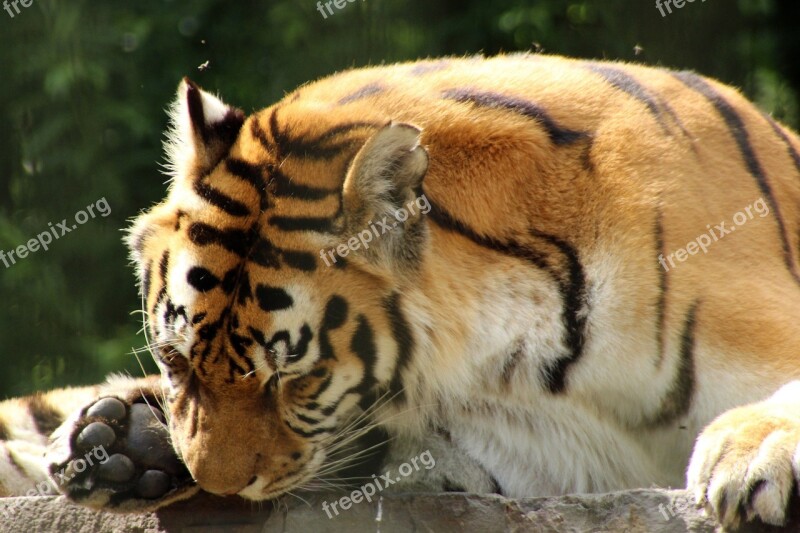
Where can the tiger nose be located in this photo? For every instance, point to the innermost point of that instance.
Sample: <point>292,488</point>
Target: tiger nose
<point>218,478</point>
<point>219,465</point>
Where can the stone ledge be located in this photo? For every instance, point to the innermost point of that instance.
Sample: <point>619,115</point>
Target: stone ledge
<point>650,511</point>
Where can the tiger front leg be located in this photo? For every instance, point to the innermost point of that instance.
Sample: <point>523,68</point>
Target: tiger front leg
<point>746,463</point>
<point>115,452</point>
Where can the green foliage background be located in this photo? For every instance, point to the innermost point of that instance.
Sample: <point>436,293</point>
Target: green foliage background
<point>84,86</point>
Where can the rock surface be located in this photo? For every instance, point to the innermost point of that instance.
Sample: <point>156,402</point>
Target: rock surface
<point>648,511</point>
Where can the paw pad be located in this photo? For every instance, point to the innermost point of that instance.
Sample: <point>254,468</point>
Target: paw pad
<point>109,408</point>
<point>96,434</point>
<point>119,454</point>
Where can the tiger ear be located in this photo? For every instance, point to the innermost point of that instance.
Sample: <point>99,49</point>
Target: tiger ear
<point>386,172</point>
<point>202,130</point>
<point>383,192</point>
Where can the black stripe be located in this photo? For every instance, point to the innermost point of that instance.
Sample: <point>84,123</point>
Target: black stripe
<point>558,134</point>
<point>273,146</point>
<point>572,289</point>
<point>308,149</point>
<point>247,172</point>
<point>663,286</point>
<point>251,174</point>
<point>219,199</point>
<point>171,312</point>
<point>314,147</point>
<point>265,254</point>
<point>289,474</point>
<point>318,224</point>
<point>272,298</point>
<point>678,399</point>
<point>137,243</point>
<point>629,85</point>
<point>244,291</point>
<point>261,136</point>
<point>260,250</point>
<point>304,433</point>
<point>587,162</point>
<point>208,334</point>
<point>240,345</point>
<point>201,279</point>
<point>335,313</point>
<point>335,316</point>
<point>322,388</point>
<point>294,352</point>
<point>234,369</point>
<point>446,221</point>
<point>162,293</point>
<point>739,132</point>
<point>230,279</point>
<point>304,261</point>
<point>343,128</point>
<point>779,131</point>
<point>281,185</point>
<point>4,434</point>
<point>233,240</point>
<point>12,458</point>
<point>363,345</point>
<point>307,419</point>
<point>280,139</point>
<point>46,418</point>
<point>146,279</point>
<point>573,295</point>
<point>404,340</point>
<point>364,92</point>
<point>327,411</point>
<point>163,267</point>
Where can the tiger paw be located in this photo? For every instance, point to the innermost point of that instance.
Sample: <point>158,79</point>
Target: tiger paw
<point>746,463</point>
<point>117,456</point>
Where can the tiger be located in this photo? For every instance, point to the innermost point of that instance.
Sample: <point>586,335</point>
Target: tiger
<point>560,275</point>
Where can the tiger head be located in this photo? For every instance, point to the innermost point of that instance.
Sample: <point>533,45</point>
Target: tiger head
<point>271,276</point>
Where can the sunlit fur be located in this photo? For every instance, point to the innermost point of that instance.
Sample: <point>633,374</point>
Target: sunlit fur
<point>526,315</point>
<point>603,170</point>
